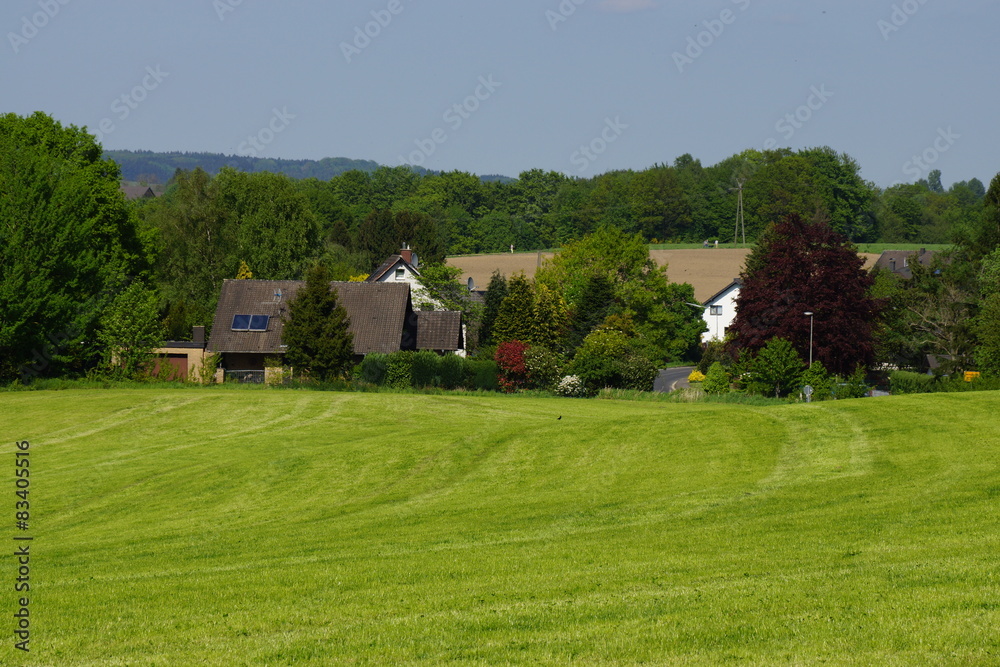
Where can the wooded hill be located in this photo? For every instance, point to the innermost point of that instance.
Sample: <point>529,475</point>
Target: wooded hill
<point>153,168</point>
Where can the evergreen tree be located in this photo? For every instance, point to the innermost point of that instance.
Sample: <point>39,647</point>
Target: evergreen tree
<point>514,319</point>
<point>596,301</point>
<point>376,237</point>
<point>316,330</point>
<point>801,267</point>
<point>496,292</point>
<point>549,318</point>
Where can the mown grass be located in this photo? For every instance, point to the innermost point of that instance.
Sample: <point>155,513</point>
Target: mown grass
<point>230,528</point>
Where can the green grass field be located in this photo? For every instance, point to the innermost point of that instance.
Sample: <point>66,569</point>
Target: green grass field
<point>215,527</point>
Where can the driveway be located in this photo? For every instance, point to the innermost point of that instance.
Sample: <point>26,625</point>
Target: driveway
<point>672,378</point>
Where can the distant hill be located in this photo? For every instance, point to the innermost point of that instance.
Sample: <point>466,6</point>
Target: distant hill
<point>151,167</point>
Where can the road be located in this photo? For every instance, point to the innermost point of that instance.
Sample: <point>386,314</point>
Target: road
<point>673,378</point>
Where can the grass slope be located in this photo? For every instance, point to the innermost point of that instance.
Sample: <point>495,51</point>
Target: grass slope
<point>217,527</point>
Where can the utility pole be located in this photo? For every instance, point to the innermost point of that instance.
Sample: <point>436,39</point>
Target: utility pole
<point>740,221</point>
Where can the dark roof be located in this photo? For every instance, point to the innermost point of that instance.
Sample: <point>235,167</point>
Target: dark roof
<point>439,330</point>
<point>897,261</point>
<point>251,297</point>
<point>737,282</point>
<point>377,312</point>
<point>137,191</point>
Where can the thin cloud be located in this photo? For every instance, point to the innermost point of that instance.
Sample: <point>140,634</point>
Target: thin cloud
<point>626,6</point>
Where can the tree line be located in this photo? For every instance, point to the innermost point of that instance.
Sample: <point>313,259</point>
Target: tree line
<point>81,266</point>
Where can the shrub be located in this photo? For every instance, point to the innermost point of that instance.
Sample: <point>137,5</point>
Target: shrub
<point>773,371</point>
<point>571,386</point>
<point>543,367</point>
<point>424,367</point>
<point>822,383</point>
<point>482,374</point>
<point>855,386</point>
<point>399,370</point>
<point>637,372</point>
<point>696,376</point>
<point>715,350</point>
<point>905,382</point>
<point>717,380</point>
<point>373,368</point>
<point>451,368</point>
<point>510,360</point>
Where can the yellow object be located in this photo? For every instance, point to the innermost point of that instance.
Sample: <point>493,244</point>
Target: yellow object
<point>971,375</point>
<point>696,376</point>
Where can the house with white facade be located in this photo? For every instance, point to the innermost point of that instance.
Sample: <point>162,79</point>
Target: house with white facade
<point>403,267</point>
<point>720,311</point>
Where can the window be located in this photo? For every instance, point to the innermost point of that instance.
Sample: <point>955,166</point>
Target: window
<point>400,274</point>
<point>241,322</point>
<point>250,322</point>
<point>715,310</point>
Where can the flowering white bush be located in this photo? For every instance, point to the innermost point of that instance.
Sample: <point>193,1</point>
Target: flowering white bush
<point>571,386</point>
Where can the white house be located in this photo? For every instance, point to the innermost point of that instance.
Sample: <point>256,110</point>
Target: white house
<point>405,268</point>
<point>720,311</point>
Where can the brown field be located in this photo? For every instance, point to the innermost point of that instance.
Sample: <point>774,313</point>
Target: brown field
<point>707,270</point>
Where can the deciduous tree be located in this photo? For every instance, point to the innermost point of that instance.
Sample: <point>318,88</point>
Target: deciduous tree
<point>800,267</point>
<point>68,243</point>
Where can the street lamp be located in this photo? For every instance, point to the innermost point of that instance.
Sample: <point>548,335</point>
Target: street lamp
<point>809,314</point>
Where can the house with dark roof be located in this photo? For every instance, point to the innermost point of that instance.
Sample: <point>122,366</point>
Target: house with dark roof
<point>133,192</point>
<point>404,267</point>
<point>899,262</point>
<point>441,331</point>
<point>249,320</point>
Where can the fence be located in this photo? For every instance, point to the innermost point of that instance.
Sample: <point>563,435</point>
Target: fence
<point>245,377</point>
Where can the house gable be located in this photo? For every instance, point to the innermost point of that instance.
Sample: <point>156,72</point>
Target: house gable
<point>720,311</point>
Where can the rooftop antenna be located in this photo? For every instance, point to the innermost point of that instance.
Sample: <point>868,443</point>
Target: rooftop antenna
<point>740,221</point>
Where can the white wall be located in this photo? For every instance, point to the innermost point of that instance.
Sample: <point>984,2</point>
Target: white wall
<point>717,324</point>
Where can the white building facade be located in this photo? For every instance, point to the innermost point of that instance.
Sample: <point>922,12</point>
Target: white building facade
<point>720,311</point>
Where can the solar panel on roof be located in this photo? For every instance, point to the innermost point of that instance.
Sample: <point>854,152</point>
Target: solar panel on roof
<point>241,322</point>
<point>258,322</point>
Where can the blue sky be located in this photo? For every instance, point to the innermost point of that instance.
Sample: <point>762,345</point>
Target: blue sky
<point>577,86</point>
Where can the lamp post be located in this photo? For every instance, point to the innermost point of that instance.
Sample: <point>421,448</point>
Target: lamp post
<point>809,314</point>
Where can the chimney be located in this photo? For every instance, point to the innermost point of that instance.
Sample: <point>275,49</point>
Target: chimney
<point>406,254</point>
<point>198,335</point>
